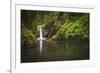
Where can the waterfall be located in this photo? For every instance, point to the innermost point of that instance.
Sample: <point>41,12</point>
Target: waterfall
<point>41,38</point>
<point>41,35</point>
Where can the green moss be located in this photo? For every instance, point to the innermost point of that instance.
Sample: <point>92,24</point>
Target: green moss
<point>55,25</point>
<point>27,37</point>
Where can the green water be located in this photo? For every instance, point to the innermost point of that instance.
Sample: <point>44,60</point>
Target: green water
<point>56,51</point>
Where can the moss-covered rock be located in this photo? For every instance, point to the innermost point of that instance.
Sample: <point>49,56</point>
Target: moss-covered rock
<point>27,38</point>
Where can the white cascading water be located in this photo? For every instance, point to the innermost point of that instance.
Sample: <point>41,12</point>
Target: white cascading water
<point>41,38</point>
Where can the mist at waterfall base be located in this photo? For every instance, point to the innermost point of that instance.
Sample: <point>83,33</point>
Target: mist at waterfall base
<point>55,50</point>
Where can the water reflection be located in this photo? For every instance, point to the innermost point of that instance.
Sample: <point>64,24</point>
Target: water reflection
<point>56,51</point>
<point>41,46</point>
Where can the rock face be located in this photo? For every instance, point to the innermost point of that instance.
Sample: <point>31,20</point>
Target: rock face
<point>28,38</point>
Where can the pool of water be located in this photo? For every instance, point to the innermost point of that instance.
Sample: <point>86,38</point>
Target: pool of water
<point>56,51</point>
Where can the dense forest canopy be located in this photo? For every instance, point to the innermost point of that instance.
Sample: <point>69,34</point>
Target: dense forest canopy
<point>56,25</point>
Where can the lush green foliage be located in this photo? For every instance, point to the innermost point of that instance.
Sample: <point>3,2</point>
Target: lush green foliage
<point>55,25</point>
